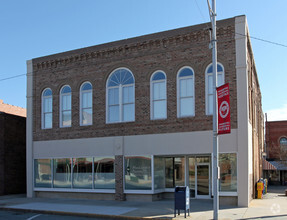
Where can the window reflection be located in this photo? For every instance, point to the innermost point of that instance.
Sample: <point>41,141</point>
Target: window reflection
<point>228,172</point>
<point>104,173</point>
<point>43,177</point>
<point>138,173</point>
<point>82,173</point>
<point>62,173</point>
<point>159,173</point>
<point>174,172</point>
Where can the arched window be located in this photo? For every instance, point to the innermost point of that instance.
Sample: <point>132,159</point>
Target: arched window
<point>185,92</point>
<point>283,141</point>
<point>120,96</point>
<point>86,104</point>
<point>209,85</point>
<point>65,106</point>
<point>47,108</point>
<point>158,95</point>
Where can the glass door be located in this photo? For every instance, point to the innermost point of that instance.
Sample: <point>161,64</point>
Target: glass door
<point>199,176</point>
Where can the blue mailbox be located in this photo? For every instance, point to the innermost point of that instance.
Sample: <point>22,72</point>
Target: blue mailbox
<point>181,200</point>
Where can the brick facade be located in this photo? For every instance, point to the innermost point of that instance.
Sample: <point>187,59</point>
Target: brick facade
<point>171,137</point>
<point>275,130</point>
<point>167,51</point>
<point>256,118</point>
<point>12,154</point>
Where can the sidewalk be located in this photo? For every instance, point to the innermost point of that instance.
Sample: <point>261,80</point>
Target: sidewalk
<point>274,205</point>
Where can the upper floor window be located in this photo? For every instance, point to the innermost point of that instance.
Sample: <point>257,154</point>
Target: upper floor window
<point>86,104</point>
<point>209,85</point>
<point>47,108</point>
<point>120,96</point>
<point>158,95</point>
<point>185,92</point>
<point>283,141</point>
<point>65,106</point>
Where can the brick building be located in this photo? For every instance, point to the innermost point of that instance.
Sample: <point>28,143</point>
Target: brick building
<point>132,119</point>
<point>275,165</point>
<point>12,149</point>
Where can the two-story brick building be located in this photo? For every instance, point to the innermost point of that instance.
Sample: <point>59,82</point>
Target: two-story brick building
<point>132,119</point>
<point>275,166</point>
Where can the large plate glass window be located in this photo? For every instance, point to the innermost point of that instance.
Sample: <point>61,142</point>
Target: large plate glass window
<point>174,172</point>
<point>104,172</point>
<point>43,173</point>
<point>120,96</point>
<point>83,173</point>
<point>138,173</point>
<point>228,172</point>
<point>159,173</point>
<point>47,108</point>
<point>62,173</point>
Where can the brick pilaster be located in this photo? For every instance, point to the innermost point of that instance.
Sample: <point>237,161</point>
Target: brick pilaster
<point>119,178</point>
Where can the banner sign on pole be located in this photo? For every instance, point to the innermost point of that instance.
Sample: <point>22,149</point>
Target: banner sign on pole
<point>224,126</point>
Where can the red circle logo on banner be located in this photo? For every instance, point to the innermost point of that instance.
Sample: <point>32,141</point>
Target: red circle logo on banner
<point>224,109</point>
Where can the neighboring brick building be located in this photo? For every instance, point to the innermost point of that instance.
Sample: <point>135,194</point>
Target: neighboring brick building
<point>275,166</point>
<point>132,119</point>
<point>12,149</point>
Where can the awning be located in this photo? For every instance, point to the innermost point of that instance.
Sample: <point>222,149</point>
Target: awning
<point>267,165</point>
<point>275,165</point>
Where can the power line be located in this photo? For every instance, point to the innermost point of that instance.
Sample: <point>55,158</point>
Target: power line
<point>12,77</point>
<point>266,41</point>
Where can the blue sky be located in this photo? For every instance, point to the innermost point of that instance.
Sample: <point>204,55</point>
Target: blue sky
<point>34,28</point>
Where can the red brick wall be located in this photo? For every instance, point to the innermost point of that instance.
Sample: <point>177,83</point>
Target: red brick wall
<point>167,51</point>
<point>274,131</point>
<point>12,154</point>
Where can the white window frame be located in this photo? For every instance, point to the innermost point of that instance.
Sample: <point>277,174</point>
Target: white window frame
<point>206,85</point>
<point>43,113</point>
<point>81,104</point>
<point>151,95</point>
<point>61,106</point>
<point>178,92</point>
<point>121,104</point>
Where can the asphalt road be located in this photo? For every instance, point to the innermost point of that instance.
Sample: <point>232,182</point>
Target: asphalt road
<point>11,215</point>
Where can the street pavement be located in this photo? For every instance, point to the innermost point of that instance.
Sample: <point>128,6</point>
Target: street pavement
<point>272,206</point>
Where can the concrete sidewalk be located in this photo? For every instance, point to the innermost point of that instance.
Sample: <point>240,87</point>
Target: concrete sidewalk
<point>273,206</point>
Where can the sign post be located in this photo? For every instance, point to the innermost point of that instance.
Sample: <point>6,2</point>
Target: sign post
<point>215,169</point>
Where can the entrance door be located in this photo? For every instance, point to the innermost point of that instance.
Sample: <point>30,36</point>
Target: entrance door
<point>199,176</point>
<point>202,175</point>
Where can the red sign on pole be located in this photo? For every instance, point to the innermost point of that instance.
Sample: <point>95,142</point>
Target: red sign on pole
<point>223,101</point>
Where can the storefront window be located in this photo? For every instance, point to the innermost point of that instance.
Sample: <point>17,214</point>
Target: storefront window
<point>274,175</point>
<point>138,173</point>
<point>228,172</point>
<point>159,173</point>
<point>169,180</point>
<point>43,173</point>
<point>104,172</point>
<point>174,172</point>
<point>192,176</point>
<point>62,173</point>
<point>82,173</point>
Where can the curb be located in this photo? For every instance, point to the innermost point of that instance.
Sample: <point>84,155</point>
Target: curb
<point>89,215</point>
